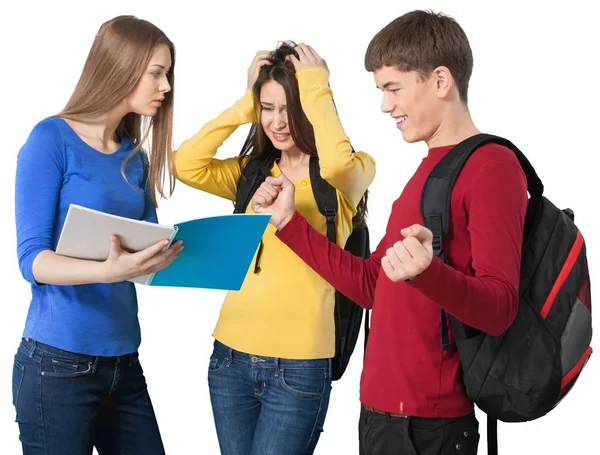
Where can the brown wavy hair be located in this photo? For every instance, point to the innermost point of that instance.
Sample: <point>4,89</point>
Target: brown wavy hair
<point>257,143</point>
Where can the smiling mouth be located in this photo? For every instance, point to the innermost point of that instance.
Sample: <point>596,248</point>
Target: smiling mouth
<point>401,120</point>
<point>281,137</point>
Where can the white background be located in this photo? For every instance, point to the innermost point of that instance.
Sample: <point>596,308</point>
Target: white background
<point>535,81</point>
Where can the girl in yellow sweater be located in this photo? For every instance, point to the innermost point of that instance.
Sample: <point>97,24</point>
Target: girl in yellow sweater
<point>270,372</point>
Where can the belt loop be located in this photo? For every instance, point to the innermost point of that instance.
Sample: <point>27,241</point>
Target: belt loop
<point>33,347</point>
<point>95,364</point>
<point>277,367</point>
<point>229,359</point>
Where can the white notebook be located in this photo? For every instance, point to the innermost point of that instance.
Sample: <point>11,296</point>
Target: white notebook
<point>86,235</point>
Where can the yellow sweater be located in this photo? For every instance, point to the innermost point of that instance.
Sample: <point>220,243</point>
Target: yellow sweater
<point>286,310</point>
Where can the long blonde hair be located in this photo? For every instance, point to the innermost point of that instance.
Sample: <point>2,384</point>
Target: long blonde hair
<point>119,56</point>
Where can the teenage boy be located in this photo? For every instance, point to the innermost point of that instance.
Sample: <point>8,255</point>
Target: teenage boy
<point>412,394</point>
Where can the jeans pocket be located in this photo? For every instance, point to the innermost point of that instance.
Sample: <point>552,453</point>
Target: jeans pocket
<point>217,363</point>
<point>304,382</point>
<point>365,424</point>
<point>17,380</point>
<point>426,441</point>
<point>466,443</point>
<point>65,368</point>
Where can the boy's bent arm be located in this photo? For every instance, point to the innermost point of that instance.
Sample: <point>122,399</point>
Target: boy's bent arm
<point>496,205</point>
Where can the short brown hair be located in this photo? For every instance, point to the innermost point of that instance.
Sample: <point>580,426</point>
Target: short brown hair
<point>421,41</point>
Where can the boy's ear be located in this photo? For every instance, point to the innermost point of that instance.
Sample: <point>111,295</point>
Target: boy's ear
<point>443,80</point>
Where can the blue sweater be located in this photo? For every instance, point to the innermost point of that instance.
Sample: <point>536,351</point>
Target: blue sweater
<point>56,168</point>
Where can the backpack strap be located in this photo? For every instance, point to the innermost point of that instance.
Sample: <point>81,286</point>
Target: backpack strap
<point>435,211</point>
<point>492,435</point>
<point>437,191</point>
<point>254,172</point>
<point>325,195</point>
<point>326,198</point>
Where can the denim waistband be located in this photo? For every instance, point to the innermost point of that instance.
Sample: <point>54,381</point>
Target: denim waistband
<point>32,347</point>
<point>271,362</point>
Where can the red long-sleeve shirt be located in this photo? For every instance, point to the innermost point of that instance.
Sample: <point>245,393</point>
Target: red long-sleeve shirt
<point>405,369</point>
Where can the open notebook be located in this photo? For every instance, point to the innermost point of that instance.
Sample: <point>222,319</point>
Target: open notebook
<point>217,250</point>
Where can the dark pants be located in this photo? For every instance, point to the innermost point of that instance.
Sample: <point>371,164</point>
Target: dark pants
<point>68,403</point>
<point>267,405</point>
<point>382,434</point>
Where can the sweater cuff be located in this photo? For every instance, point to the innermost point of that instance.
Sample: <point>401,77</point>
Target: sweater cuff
<point>245,107</point>
<point>311,77</point>
<point>291,229</point>
<point>429,278</point>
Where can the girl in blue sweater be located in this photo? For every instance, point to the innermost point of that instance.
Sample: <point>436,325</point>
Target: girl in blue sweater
<point>77,380</point>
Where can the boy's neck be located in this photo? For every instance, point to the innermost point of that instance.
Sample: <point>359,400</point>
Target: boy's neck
<point>456,126</point>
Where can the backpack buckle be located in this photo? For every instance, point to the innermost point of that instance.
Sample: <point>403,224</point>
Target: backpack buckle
<point>437,245</point>
<point>330,214</point>
<point>434,222</point>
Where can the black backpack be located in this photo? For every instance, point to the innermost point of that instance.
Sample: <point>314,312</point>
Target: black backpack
<point>347,314</point>
<point>524,373</point>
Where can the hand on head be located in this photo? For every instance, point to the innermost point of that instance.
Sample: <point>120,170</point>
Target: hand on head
<point>306,57</point>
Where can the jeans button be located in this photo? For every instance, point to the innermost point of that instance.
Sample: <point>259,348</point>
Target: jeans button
<point>254,359</point>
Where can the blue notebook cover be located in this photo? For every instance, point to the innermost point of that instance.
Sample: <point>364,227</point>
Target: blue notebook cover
<point>217,252</point>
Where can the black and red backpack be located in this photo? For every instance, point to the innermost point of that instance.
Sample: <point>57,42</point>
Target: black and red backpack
<point>524,373</point>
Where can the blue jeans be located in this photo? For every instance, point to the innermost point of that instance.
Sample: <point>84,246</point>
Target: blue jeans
<point>68,403</point>
<point>267,405</point>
